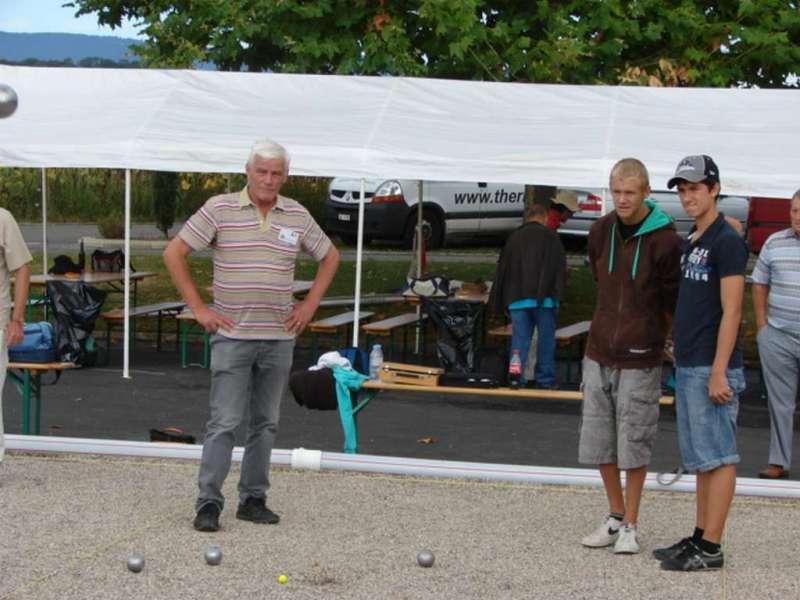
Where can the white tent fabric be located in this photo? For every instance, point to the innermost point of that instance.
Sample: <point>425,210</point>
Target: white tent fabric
<point>397,127</point>
<point>371,127</point>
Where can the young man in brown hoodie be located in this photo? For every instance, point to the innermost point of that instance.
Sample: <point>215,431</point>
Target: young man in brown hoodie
<point>634,254</point>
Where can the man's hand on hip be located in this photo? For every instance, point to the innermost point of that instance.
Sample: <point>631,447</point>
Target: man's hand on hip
<point>299,317</point>
<point>211,320</point>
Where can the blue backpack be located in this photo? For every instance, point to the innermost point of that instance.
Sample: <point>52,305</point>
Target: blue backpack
<point>38,345</point>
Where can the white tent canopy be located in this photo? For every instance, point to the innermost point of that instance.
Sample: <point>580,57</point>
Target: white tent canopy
<point>364,127</point>
<point>397,127</point>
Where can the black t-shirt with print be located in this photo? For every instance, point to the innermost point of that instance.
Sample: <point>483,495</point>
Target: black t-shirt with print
<point>720,252</point>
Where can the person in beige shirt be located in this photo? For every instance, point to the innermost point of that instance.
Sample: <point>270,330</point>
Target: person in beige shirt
<point>14,259</point>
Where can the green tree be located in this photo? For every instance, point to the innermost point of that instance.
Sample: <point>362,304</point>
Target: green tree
<point>165,199</point>
<point>646,42</point>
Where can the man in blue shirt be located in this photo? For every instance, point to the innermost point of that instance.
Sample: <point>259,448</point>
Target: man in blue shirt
<point>708,358</point>
<point>776,303</point>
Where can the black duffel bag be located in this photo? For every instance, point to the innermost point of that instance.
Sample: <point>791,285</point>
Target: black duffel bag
<point>314,389</point>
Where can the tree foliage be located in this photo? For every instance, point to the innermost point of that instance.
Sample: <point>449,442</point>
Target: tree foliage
<point>647,42</point>
<point>165,199</point>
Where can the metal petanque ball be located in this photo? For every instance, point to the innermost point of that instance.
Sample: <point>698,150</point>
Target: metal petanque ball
<point>213,556</point>
<point>8,101</point>
<point>135,563</point>
<point>425,558</point>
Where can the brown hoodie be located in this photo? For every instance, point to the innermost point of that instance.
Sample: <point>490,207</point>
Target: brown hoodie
<point>637,289</point>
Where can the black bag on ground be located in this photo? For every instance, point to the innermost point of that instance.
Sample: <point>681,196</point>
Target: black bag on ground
<point>63,264</point>
<point>493,363</point>
<point>314,389</point>
<point>171,434</point>
<point>455,322</point>
<point>75,307</point>
<point>109,262</point>
<point>37,346</point>
<point>471,380</point>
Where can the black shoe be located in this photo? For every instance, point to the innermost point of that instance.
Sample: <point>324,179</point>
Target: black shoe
<point>671,551</point>
<point>255,510</point>
<point>693,558</point>
<point>207,518</point>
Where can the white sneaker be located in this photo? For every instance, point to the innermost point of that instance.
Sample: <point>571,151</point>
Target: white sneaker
<point>626,542</point>
<point>603,536</point>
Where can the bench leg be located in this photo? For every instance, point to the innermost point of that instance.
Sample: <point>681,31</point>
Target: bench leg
<point>158,333</point>
<point>24,385</point>
<point>183,341</point>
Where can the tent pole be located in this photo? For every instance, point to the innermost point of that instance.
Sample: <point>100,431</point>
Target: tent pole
<point>418,309</point>
<point>126,337</point>
<point>44,221</point>
<point>359,252</point>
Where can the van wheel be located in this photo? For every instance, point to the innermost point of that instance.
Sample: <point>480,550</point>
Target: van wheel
<point>432,230</point>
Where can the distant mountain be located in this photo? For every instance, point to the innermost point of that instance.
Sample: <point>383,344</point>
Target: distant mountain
<point>17,47</point>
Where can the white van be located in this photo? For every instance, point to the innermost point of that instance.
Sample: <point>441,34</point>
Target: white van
<point>464,209</point>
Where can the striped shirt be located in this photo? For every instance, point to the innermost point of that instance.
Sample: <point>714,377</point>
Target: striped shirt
<point>254,259</point>
<point>778,267</point>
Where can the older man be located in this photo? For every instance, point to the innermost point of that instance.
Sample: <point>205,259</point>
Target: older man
<point>255,234</point>
<point>776,302</point>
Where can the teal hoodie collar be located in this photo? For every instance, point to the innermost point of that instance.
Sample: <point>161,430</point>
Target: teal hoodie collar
<point>655,219</point>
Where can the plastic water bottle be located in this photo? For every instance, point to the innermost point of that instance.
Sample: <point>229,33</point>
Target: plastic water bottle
<point>514,369</point>
<point>375,361</point>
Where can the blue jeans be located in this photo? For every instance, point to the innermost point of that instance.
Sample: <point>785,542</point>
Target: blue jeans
<point>247,377</point>
<point>523,323</point>
<point>706,431</point>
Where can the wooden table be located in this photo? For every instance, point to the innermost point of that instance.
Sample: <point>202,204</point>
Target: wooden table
<point>96,278</point>
<point>347,414</point>
<point>27,378</point>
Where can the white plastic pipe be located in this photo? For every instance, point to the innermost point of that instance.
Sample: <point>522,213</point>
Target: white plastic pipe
<point>417,467</point>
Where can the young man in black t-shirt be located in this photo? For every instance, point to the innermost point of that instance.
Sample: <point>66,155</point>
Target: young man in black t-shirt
<point>708,358</point>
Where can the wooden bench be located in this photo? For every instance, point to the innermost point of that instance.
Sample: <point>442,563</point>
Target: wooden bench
<point>387,328</point>
<point>27,378</point>
<point>366,300</point>
<point>335,325</point>
<point>159,311</point>
<point>188,326</point>
<point>567,336</point>
<point>348,414</point>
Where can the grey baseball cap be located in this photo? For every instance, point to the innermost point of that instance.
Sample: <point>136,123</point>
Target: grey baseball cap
<point>696,168</point>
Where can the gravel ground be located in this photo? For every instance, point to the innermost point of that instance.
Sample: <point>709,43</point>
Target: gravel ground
<point>69,524</point>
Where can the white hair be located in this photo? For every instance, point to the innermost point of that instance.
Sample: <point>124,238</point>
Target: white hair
<point>269,150</point>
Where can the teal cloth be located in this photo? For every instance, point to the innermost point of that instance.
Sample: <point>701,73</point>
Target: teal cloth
<point>532,303</point>
<point>348,380</point>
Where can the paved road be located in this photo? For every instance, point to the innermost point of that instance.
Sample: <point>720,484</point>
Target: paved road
<point>99,403</point>
<point>65,237</point>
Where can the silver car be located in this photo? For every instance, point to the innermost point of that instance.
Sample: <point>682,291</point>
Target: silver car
<point>590,202</point>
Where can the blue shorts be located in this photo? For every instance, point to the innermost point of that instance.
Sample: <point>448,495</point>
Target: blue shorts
<point>706,431</point>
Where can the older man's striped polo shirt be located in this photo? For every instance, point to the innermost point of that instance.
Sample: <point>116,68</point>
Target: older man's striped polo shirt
<point>254,259</point>
<point>778,266</point>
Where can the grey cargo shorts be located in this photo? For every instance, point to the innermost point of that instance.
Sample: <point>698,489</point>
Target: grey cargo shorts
<point>620,415</point>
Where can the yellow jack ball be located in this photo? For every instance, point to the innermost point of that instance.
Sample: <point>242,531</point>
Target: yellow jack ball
<point>282,579</point>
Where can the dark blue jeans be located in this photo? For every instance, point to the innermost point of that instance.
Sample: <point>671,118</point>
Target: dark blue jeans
<point>523,323</point>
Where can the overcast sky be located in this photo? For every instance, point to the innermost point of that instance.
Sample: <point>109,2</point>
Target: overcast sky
<point>36,16</point>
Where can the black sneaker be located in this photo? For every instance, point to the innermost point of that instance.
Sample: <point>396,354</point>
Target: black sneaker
<point>207,518</point>
<point>255,510</point>
<point>671,551</point>
<point>693,558</point>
